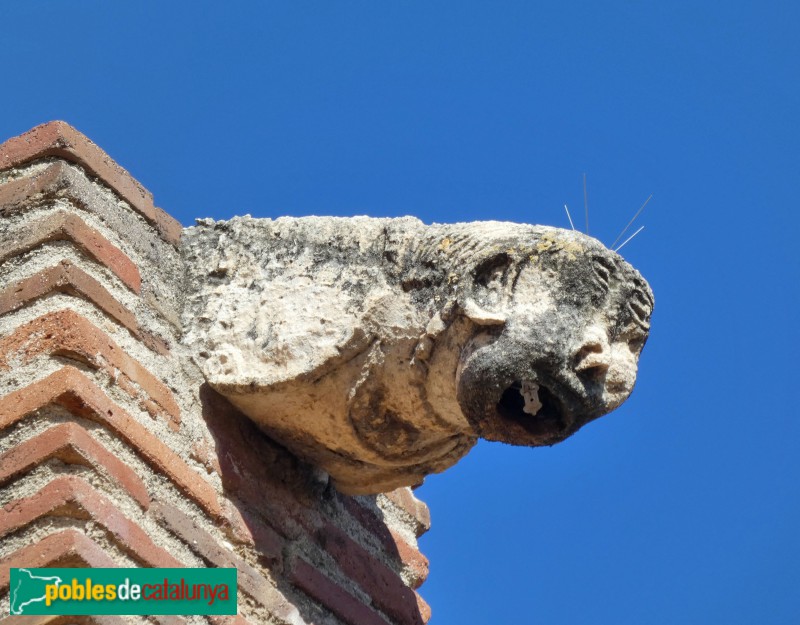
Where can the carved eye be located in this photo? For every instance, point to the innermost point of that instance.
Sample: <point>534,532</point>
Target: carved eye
<point>634,334</point>
<point>635,341</point>
<point>638,311</point>
<point>493,272</point>
<point>634,321</point>
<point>600,279</point>
<point>602,269</point>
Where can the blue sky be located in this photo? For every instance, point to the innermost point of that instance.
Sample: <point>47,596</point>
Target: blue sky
<point>680,507</point>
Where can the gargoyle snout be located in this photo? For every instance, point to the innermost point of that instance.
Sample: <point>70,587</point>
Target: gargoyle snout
<point>592,359</point>
<point>605,368</point>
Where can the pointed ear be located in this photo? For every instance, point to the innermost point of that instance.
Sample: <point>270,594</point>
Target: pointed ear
<point>481,316</point>
<point>488,291</point>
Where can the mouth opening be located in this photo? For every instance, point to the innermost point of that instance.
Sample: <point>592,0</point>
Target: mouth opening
<point>534,407</point>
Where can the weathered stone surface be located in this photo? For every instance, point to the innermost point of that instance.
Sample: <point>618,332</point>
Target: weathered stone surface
<point>380,349</point>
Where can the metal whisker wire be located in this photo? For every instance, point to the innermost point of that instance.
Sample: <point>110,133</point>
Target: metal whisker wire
<point>628,239</point>
<point>625,229</point>
<point>569,217</point>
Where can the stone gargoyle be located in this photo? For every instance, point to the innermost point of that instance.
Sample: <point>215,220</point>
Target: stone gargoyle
<point>381,349</point>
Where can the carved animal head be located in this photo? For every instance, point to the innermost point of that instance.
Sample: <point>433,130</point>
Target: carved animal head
<point>380,350</point>
<point>560,327</point>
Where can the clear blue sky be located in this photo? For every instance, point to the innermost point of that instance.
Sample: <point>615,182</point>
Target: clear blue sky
<point>682,506</point>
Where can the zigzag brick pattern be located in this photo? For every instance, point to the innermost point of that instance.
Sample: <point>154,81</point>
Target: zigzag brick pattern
<point>60,140</point>
<point>66,332</point>
<point>111,452</point>
<point>65,277</point>
<point>72,444</point>
<point>63,226</point>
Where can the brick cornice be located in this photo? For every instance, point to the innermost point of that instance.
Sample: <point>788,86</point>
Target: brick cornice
<point>70,496</point>
<point>68,547</point>
<point>404,499</point>
<point>67,333</point>
<point>320,587</point>
<point>72,444</point>
<point>387,589</point>
<point>64,226</point>
<point>59,139</point>
<point>71,389</point>
<point>93,281</point>
<point>208,548</point>
<point>64,277</point>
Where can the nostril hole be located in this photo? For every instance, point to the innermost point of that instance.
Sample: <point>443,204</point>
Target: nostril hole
<point>596,373</point>
<point>587,350</point>
<point>587,355</point>
<point>547,421</point>
<point>590,364</point>
<point>512,403</point>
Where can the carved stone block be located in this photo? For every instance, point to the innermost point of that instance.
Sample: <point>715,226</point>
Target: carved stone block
<point>381,349</point>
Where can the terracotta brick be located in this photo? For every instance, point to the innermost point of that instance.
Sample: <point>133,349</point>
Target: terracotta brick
<point>60,181</point>
<point>417,563</point>
<point>71,389</point>
<point>259,473</point>
<point>67,278</point>
<point>404,499</point>
<point>338,600</point>
<point>203,453</point>
<point>67,333</point>
<point>71,496</point>
<point>64,226</point>
<point>72,444</point>
<point>59,139</point>
<point>280,608</point>
<point>387,590</point>
<point>17,194</point>
<point>153,409</point>
<point>424,609</point>
<point>67,548</point>
<point>394,545</point>
<point>367,518</point>
<point>208,548</point>
<point>127,385</point>
<point>251,582</point>
<point>247,528</point>
<point>154,342</point>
